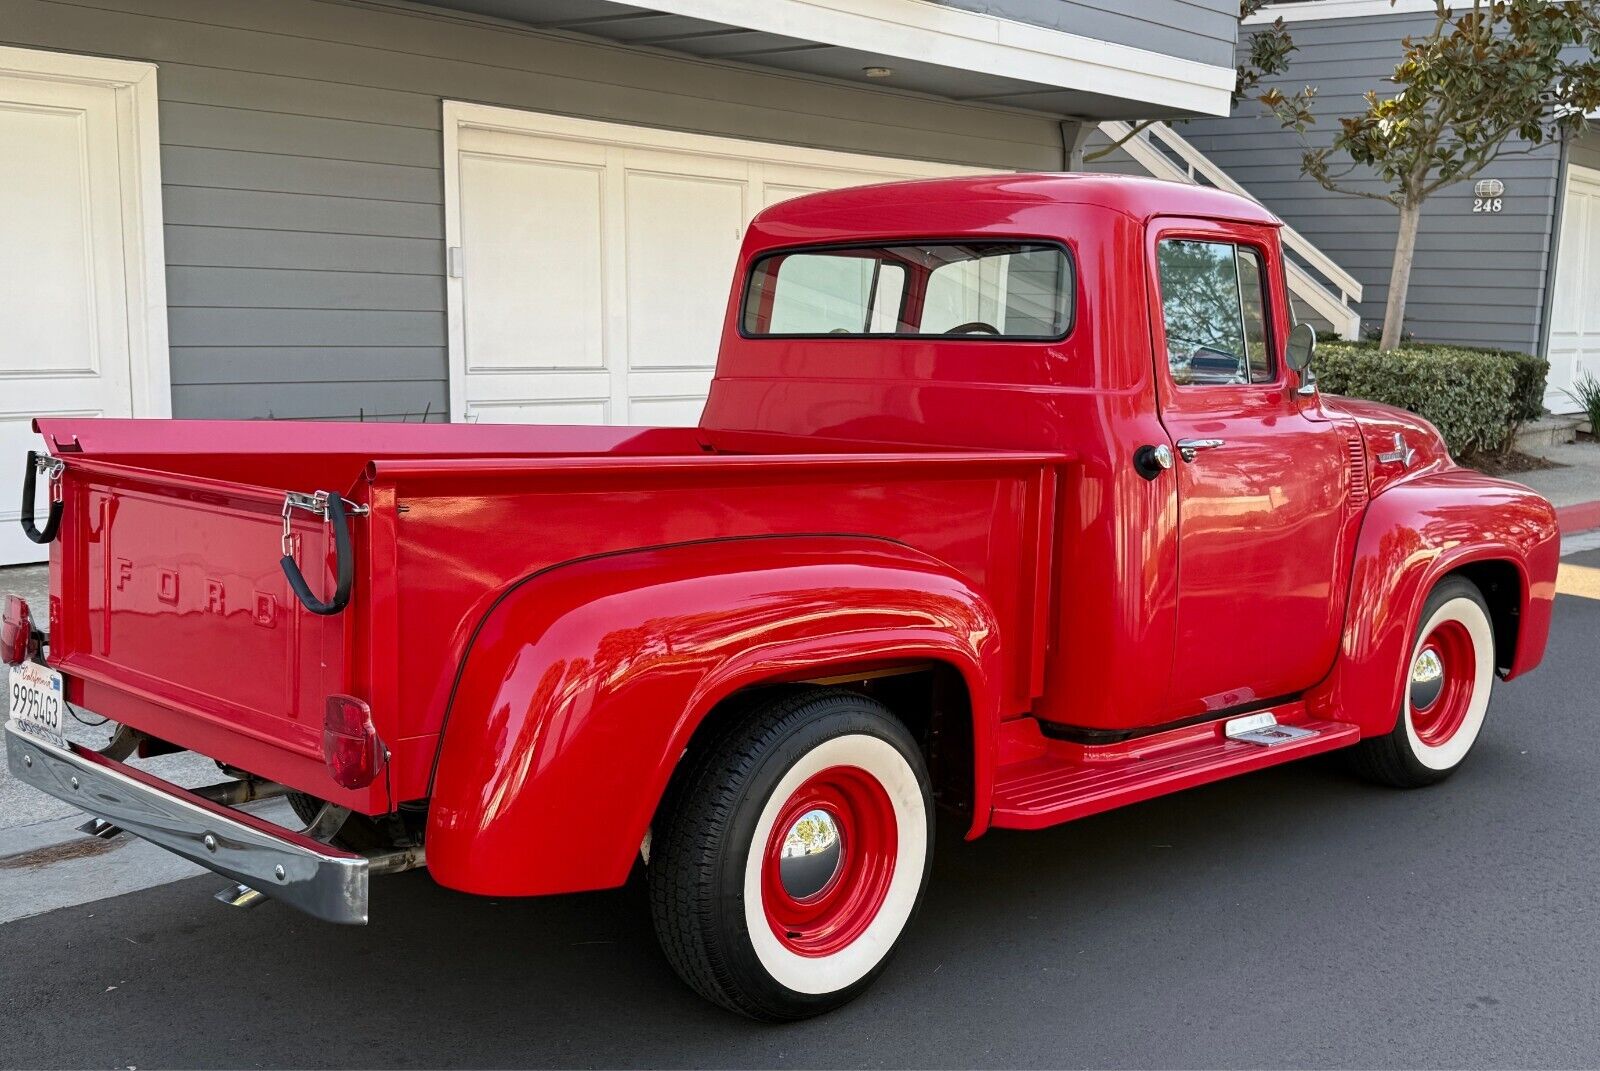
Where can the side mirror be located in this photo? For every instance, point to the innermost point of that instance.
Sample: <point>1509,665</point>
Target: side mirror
<point>1302,344</point>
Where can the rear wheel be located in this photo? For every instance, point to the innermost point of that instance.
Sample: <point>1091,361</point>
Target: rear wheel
<point>1449,675</point>
<point>793,853</point>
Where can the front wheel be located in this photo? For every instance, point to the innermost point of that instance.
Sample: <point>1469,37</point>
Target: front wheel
<point>793,853</point>
<point>1448,678</point>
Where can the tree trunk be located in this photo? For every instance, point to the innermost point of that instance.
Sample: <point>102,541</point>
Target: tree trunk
<point>1405,251</point>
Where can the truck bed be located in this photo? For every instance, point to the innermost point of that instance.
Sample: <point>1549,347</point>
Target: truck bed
<point>169,610</point>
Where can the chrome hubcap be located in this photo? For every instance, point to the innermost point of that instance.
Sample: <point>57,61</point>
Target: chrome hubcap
<point>811,854</point>
<point>1427,678</point>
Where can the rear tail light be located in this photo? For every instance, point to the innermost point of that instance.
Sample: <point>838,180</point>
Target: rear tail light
<point>350,744</point>
<point>16,631</point>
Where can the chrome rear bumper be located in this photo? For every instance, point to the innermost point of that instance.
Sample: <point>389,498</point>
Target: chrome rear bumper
<point>316,878</point>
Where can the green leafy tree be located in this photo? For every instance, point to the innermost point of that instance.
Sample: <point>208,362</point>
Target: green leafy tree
<point>1493,79</point>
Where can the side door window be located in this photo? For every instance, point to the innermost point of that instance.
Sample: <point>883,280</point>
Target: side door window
<point>1214,311</point>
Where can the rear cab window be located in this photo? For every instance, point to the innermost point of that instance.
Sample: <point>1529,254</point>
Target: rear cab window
<point>982,290</point>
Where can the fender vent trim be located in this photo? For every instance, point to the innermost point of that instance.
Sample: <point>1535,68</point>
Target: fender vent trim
<point>1359,491</point>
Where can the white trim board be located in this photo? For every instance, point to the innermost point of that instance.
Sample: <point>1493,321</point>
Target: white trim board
<point>972,41</point>
<point>459,114</point>
<point>144,247</point>
<point>1319,10</point>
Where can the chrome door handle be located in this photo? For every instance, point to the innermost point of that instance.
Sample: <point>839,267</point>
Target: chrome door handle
<point>1187,448</point>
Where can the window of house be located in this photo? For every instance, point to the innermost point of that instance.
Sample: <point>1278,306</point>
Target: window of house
<point>1214,310</point>
<point>972,289</point>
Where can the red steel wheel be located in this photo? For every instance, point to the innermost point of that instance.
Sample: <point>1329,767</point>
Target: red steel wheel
<point>829,860</point>
<point>1443,676</point>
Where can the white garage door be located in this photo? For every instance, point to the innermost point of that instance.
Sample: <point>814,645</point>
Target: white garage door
<point>1574,312</point>
<point>81,294</point>
<point>590,262</point>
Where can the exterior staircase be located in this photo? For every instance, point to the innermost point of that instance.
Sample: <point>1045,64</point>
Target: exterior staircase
<point>1318,285</point>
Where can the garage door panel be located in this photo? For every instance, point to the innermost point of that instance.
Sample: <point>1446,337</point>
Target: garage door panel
<point>594,411</point>
<point>501,388</point>
<point>1567,283</point>
<point>1591,261</point>
<point>668,398</point>
<point>49,295</point>
<point>1574,343</point>
<point>683,235</point>
<point>531,234</point>
<point>666,412</point>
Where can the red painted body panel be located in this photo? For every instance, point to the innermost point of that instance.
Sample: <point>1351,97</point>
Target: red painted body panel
<point>445,538</point>
<point>1044,781</point>
<point>584,686</point>
<point>168,611</point>
<point>1266,516</point>
<point>574,600</point>
<point>1417,531</point>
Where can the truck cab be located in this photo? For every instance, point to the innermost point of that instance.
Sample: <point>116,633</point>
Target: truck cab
<point>1167,321</point>
<point>1014,500</point>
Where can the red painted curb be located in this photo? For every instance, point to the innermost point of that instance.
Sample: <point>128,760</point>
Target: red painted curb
<point>1579,517</point>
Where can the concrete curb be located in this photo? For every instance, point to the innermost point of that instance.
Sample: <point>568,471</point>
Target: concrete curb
<point>1578,517</point>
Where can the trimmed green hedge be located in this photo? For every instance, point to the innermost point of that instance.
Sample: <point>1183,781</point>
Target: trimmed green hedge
<point>1475,397</point>
<point>1528,395</point>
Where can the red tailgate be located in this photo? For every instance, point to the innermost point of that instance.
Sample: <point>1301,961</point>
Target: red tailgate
<point>172,614</point>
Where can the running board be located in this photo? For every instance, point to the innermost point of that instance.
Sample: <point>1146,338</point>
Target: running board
<point>1068,781</point>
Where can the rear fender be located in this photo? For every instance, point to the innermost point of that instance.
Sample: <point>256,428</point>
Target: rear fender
<point>584,684</point>
<point>1413,534</point>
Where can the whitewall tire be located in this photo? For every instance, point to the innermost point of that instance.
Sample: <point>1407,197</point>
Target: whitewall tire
<point>1449,674</point>
<point>792,855</point>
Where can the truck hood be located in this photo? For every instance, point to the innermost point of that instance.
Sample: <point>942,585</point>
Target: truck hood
<point>1398,443</point>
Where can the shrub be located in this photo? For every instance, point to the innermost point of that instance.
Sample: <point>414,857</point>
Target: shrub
<point>1474,397</point>
<point>1585,393</point>
<point>1531,372</point>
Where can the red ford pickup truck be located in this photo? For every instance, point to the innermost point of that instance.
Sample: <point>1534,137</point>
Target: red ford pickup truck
<point>1014,501</point>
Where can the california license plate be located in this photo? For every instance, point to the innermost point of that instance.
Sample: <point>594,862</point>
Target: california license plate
<point>39,702</point>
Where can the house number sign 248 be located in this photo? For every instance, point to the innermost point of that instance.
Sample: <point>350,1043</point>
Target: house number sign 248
<point>1488,195</point>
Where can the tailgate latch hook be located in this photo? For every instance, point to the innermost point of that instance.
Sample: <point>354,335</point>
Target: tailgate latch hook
<point>316,503</point>
<point>334,511</point>
<point>52,467</point>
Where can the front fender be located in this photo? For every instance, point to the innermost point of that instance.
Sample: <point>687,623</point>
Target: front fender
<point>584,683</point>
<point>1412,535</point>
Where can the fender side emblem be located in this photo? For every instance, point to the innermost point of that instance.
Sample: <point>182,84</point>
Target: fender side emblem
<point>1401,454</point>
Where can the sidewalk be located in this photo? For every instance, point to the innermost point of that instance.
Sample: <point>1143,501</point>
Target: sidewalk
<point>1573,487</point>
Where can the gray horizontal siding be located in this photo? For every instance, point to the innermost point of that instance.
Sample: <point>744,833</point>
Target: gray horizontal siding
<point>296,288</point>
<point>1478,278</point>
<point>223,365</point>
<point>210,206</point>
<point>276,173</point>
<point>1202,30</point>
<point>302,401</point>
<point>242,247</point>
<point>303,327</point>
<point>302,170</point>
